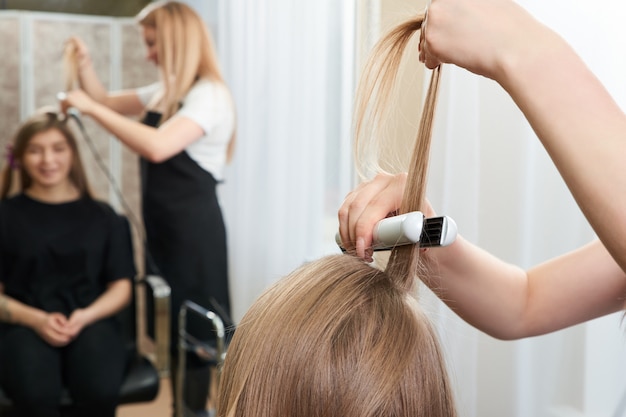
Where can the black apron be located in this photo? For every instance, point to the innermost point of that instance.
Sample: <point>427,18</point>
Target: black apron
<point>186,237</point>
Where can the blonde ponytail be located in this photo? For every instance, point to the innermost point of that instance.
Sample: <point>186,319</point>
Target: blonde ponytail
<point>373,102</point>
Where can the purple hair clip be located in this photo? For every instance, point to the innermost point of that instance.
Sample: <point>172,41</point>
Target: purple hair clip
<point>10,157</point>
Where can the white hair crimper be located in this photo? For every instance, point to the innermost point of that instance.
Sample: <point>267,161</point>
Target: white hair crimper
<point>409,229</point>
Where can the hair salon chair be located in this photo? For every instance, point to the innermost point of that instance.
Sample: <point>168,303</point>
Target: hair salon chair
<point>143,371</point>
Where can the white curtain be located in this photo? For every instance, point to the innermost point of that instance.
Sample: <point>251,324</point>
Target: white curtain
<point>490,173</point>
<point>290,66</point>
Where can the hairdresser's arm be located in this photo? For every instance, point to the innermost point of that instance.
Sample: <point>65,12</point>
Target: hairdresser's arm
<point>494,296</point>
<point>580,125</point>
<point>509,303</point>
<point>154,144</point>
<point>124,102</point>
<point>583,130</point>
<point>116,297</point>
<point>49,326</point>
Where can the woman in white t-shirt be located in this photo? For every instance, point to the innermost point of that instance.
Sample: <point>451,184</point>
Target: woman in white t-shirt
<point>185,139</point>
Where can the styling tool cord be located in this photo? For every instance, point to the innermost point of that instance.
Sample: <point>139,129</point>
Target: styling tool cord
<point>74,114</point>
<point>71,71</point>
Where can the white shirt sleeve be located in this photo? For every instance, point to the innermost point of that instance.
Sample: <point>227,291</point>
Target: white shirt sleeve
<point>146,93</point>
<point>210,105</point>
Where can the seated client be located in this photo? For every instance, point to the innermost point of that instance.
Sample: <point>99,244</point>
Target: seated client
<point>66,265</point>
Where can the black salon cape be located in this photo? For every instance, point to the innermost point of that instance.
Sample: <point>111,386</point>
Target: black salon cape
<point>60,257</point>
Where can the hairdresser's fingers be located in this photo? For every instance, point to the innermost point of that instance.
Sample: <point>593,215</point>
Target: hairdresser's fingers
<point>62,99</point>
<point>344,213</point>
<point>79,100</point>
<point>425,56</point>
<point>425,50</point>
<point>78,44</point>
<point>351,208</point>
<point>478,34</point>
<point>356,203</point>
<point>385,198</point>
<point>370,202</point>
<point>80,50</point>
<point>69,99</point>
<point>422,31</point>
<point>429,60</point>
<point>420,46</point>
<point>71,46</point>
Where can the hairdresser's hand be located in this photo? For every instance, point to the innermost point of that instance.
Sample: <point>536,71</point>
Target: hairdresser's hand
<point>483,36</point>
<point>53,329</point>
<point>80,51</point>
<point>79,100</point>
<point>362,208</point>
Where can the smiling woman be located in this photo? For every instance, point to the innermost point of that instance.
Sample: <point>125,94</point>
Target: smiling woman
<point>44,161</point>
<point>48,160</point>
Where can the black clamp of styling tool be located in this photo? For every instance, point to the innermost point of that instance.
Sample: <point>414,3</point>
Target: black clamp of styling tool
<point>409,229</point>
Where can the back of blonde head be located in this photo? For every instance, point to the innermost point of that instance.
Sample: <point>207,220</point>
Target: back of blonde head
<point>334,338</point>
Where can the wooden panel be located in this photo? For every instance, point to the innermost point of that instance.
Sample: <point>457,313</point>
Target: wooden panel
<point>9,80</point>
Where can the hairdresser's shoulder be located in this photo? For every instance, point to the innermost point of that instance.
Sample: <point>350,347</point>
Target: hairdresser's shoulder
<point>205,85</point>
<point>207,92</point>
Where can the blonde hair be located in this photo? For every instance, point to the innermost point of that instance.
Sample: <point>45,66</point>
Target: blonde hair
<point>15,178</point>
<point>70,67</point>
<point>335,337</point>
<point>186,53</point>
<point>372,104</point>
